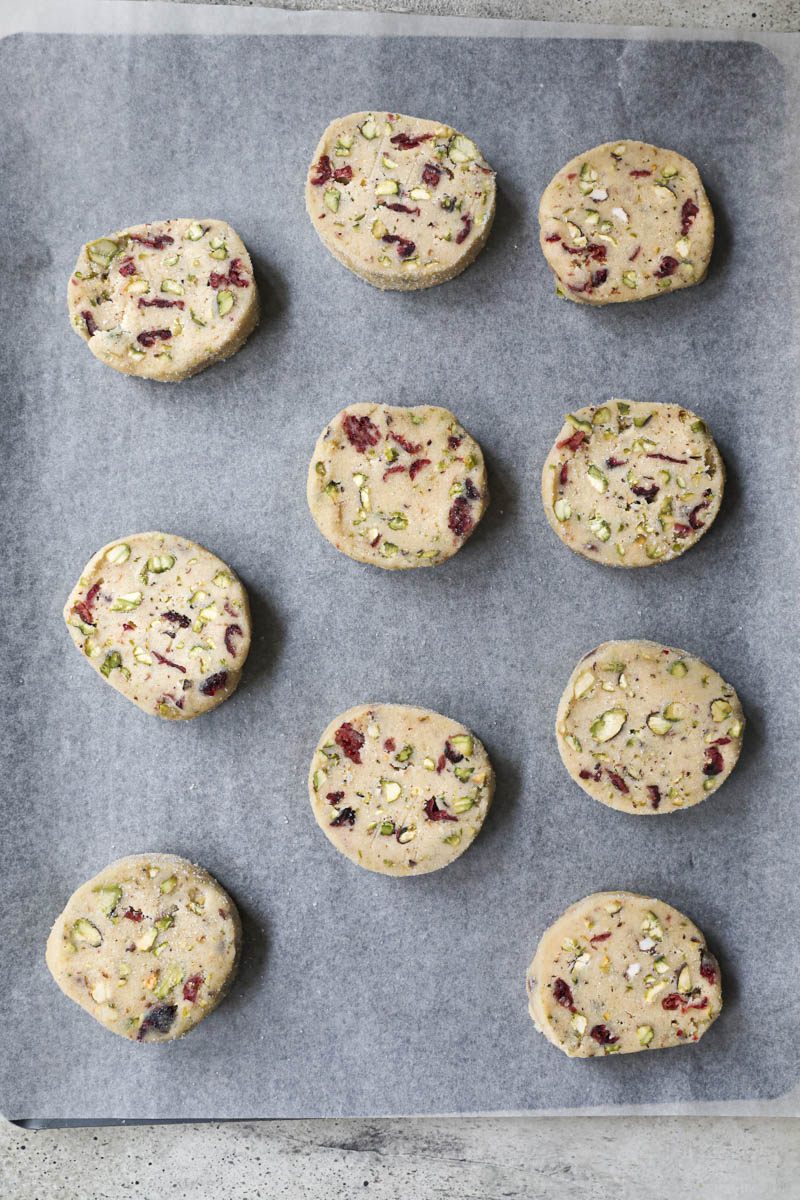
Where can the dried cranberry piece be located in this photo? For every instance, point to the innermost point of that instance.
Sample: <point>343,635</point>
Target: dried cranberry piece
<point>235,274</point>
<point>404,142</point>
<point>403,208</point>
<point>151,336</point>
<point>376,540</point>
<point>389,745</point>
<point>600,937</point>
<point>694,520</point>
<point>159,1018</point>
<point>654,794</point>
<point>230,633</point>
<point>723,741</point>
<point>554,237</point>
<point>405,248</point>
<point>584,774</point>
<point>440,764</point>
<point>167,662</point>
<point>192,987</point>
<point>178,618</point>
<point>431,174</point>
<point>616,462</point>
<point>599,277</point>
<point>573,249</point>
<point>360,432</point>
<point>157,243</point>
<point>470,491</point>
<point>127,266</point>
<point>159,303</point>
<point>346,817</point>
<point>602,1034</point>
<point>128,625</point>
<point>562,994</point>
<point>596,251</point>
<point>434,813</point>
<point>460,519</point>
<point>671,1002</point>
<point>667,266</point>
<point>454,442</point>
<point>91,327</point>
<point>343,174</point>
<point>681,531</point>
<point>349,741</point>
<point>648,491</point>
<point>215,280</point>
<point>451,754</point>
<point>417,466</point>
<point>714,762</point>
<point>324,171</point>
<point>635,254</point>
<point>463,234</point>
<point>563,474</point>
<point>393,470</point>
<point>688,214</point>
<point>573,442</point>
<point>133,914</point>
<point>707,967</point>
<point>667,458</point>
<point>640,174</point>
<point>617,780</point>
<point>214,683</point>
<point>410,447</point>
<point>334,797</point>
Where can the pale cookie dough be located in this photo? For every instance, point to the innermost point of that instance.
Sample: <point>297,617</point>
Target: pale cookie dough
<point>630,484</point>
<point>402,202</point>
<point>399,790</point>
<point>148,947</point>
<point>619,973</point>
<point>164,621</point>
<point>397,487</point>
<point>626,221</point>
<point>164,300</point>
<point>647,729</point>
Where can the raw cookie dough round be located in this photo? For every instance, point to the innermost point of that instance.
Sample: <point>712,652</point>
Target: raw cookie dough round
<point>647,729</point>
<point>399,790</point>
<point>164,300</point>
<point>626,221</point>
<point>402,202</point>
<point>398,487</point>
<point>164,621</point>
<point>630,484</point>
<point>148,947</point>
<point>619,973</point>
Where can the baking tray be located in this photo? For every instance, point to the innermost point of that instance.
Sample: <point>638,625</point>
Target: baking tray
<point>360,994</point>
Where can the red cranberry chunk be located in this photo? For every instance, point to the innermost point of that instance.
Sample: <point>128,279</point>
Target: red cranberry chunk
<point>563,994</point>
<point>150,336</point>
<point>393,470</point>
<point>89,322</point>
<point>404,142</point>
<point>343,174</point>
<point>159,303</point>
<point>452,755</point>
<point>323,170</point>
<point>417,466</point>
<point>434,813</point>
<point>667,266</point>
<point>694,519</point>
<point>403,208</point>
<point>470,491</point>
<point>390,745</point>
<point>647,489</point>
<point>166,662</point>
<point>177,618</point>
<point>573,442</point>
<point>460,519</point>
<point>346,817</point>
<point>431,174</point>
<point>714,762</point>
<point>230,633</point>
<point>405,248</point>
<point>214,683</point>
<point>349,741</point>
<point>127,266</point>
<point>191,988</point>
<point>133,914</point>
<point>640,174</point>
<point>155,243</point>
<point>707,969</point>
<point>617,780</point>
<point>159,1019</point>
<point>553,237</point>
<point>602,1035</point>
<point>235,275</point>
<point>688,214</point>
<point>335,797</point>
<point>360,432</point>
<point>600,937</point>
<point>409,447</point>
<point>599,277</point>
<point>463,234</point>
<point>653,795</point>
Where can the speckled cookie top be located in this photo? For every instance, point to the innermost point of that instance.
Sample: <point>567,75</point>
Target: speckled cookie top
<point>632,484</point>
<point>626,221</point>
<point>648,729</point>
<point>397,487</point>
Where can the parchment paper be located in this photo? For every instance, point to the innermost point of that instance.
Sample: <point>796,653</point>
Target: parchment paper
<point>360,994</point>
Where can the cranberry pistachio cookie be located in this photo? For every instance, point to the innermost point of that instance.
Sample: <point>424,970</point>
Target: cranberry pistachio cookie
<point>619,973</point>
<point>400,790</point>
<point>164,621</point>
<point>148,947</point>
<point>402,202</point>
<point>630,484</point>
<point>626,221</point>
<point>164,300</point>
<point>397,487</point>
<point>647,729</point>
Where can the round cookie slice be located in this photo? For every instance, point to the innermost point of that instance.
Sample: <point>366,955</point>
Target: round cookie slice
<point>399,790</point>
<point>630,484</point>
<point>397,487</point>
<point>626,221</point>
<point>647,729</point>
<point>148,947</point>
<point>164,621</point>
<point>404,203</point>
<point>164,300</point>
<point>619,973</point>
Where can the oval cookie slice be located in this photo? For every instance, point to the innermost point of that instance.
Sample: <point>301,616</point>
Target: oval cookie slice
<point>148,947</point>
<point>619,973</point>
<point>630,484</point>
<point>648,729</point>
<point>164,300</point>
<point>404,203</point>
<point>626,221</point>
<point>164,621</point>
<point>397,487</point>
<point>399,790</point>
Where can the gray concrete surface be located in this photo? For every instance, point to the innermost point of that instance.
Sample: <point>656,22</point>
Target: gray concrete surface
<point>513,1158</point>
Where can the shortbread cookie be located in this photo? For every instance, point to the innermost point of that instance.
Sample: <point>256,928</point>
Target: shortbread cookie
<point>164,621</point>
<point>626,221</point>
<point>402,202</point>
<point>400,790</point>
<point>398,487</point>
<point>647,729</point>
<point>148,947</point>
<point>164,300</point>
<point>619,973</point>
<point>630,484</point>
